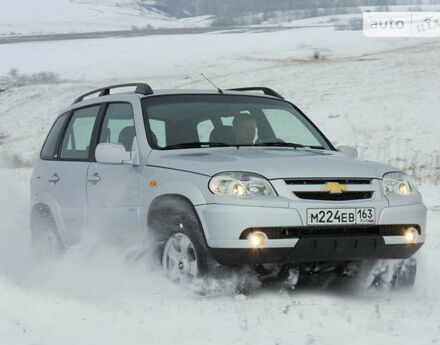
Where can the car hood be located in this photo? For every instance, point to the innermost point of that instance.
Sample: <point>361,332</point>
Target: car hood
<point>272,163</point>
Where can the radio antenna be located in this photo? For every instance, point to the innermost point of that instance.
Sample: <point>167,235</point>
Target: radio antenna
<point>218,89</point>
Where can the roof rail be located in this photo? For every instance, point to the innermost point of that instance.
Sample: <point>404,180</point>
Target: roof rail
<point>266,91</point>
<point>141,88</point>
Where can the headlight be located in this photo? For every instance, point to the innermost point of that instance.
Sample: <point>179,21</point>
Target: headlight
<point>240,184</point>
<point>398,183</point>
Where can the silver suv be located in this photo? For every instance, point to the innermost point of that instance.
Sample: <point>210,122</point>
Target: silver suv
<point>220,178</point>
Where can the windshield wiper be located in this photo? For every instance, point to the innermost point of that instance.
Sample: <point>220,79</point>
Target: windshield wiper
<point>194,144</point>
<point>279,143</point>
<point>284,144</point>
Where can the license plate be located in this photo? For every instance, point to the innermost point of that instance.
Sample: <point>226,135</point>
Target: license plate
<point>335,216</point>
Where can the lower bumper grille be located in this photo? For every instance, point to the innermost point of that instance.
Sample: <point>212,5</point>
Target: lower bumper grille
<point>318,231</point>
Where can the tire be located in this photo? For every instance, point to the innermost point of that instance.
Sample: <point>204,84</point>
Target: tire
<point>172,215</point>
<point>45,239</point>
<point>184,256</point>
<point>405,275</point>
<point>390,274</point>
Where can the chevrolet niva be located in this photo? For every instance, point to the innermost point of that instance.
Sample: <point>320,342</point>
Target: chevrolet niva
<point>222,178</point>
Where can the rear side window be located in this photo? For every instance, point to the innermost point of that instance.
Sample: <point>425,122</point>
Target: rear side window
<point>118,126</point>
<point>76,141</point>
<point>48,152</point>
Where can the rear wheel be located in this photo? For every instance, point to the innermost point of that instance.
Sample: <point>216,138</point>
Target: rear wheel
<point>45,239</point>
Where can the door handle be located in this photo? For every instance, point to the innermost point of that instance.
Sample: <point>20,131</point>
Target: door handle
<point>54,178</point>
<point>95,178</point>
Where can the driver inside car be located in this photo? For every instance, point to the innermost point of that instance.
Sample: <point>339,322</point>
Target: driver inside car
<point>244,129</point>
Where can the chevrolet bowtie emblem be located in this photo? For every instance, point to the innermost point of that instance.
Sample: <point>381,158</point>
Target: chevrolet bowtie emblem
<point>334,187</point>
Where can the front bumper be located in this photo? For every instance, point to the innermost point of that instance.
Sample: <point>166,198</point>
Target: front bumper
<point>223,225</point>
<point>318,250</point>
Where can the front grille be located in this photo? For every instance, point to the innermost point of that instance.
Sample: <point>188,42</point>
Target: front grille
<point>334,196</point>
<point>331,231</point>
<point>327,180</point>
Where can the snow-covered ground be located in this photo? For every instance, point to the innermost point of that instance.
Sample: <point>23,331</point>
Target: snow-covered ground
<point>28,17</point>
<point>378,94</point>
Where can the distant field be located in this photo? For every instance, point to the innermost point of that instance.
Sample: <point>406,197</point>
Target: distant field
<point>27,17</point>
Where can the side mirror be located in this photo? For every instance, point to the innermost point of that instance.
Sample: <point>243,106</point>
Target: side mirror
<point>112,153</point>
<point>348,151</point>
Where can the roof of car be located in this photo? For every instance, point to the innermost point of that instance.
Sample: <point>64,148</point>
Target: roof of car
<point>144,90</point>
<point>207,92</point>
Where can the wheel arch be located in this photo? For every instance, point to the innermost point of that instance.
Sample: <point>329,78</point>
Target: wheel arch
<point>42,214</point>
<point>170,211</point>
<point>43,211</point>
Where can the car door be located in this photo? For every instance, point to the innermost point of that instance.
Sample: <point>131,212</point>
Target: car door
<point>67,174</point>
<point>114,190</point>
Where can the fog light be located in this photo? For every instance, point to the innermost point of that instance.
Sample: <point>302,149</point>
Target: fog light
<point>257,238</point>
<point>411,234</point>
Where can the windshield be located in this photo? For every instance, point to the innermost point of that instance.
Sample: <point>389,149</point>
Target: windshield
<point>188,121</point>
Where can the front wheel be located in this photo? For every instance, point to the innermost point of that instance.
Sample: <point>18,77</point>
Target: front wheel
<point>181,259</point>
<point>406,273</point>
<point>392,274</point>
